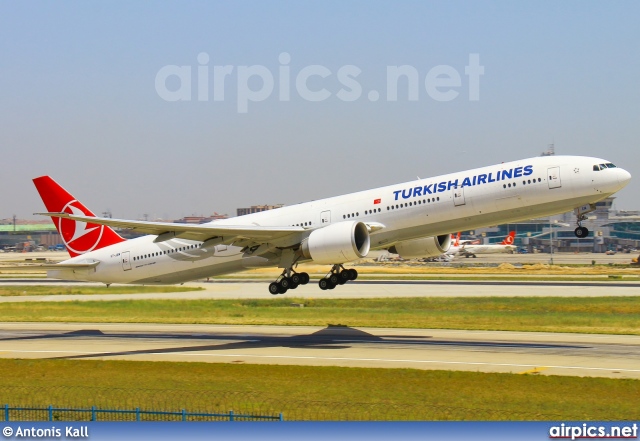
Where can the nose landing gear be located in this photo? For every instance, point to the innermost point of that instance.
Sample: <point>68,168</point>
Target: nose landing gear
<point>581,231</point>
<point>581,212</point>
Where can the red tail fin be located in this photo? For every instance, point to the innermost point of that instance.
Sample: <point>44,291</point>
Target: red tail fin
<point>509,239</point>
<point>78,237</point>
<point>457,242</point>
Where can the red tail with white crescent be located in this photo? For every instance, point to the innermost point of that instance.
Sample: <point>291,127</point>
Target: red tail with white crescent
<point>509,239</point>
<point>78,237</point>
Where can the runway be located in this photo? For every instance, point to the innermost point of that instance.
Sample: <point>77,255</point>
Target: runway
<point>483,351</point>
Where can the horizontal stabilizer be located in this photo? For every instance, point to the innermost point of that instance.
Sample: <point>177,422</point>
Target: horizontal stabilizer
<point>85,264</point>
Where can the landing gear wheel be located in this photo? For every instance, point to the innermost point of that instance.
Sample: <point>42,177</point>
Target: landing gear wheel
<point>274,289</point>
<point>284,284</point>
<point>323,284</point>
<point>343,277</point>
<point>304,277</point>
<point>581,232</point>
<point>333,280</point>
<point>353,274</point>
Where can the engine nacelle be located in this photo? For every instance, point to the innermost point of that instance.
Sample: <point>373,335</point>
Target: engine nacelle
<point>425,247</point>
<point>337,243</point>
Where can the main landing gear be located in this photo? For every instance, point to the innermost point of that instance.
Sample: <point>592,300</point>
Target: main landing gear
<point>291,280</point>
<point>288,280</point>
<point>337,276</point>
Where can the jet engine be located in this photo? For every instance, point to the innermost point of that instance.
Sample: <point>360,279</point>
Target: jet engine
<point>425,247</point>
<point>337,243</point>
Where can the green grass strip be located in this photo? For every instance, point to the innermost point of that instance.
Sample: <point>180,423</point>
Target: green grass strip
<point>602,315</point>
<point>317,393</point>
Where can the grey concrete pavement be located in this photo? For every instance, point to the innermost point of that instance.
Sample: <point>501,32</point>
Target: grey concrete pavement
<point>363,289</point>
<point>611,356</point>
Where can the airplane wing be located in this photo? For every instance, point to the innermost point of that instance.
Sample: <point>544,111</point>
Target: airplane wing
<point>226,234</point>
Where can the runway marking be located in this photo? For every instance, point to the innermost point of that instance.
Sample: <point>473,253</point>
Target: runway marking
<point>308,357</point>
<point>536,370</point>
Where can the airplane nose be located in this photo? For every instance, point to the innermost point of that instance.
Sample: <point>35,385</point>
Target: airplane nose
<point>623,177</point>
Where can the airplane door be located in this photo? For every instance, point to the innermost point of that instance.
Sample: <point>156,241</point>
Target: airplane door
<point>458,196</point>
<point>126,261</point>
<point>325,218</point>
<point>554,177</point>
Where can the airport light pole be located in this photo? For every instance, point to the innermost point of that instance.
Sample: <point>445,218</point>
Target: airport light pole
<point>551,241</point>
<point>551,225</point>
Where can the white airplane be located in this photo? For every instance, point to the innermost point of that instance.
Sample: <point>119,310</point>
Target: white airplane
<point>506,246</point>
<point>414,219</point>
<point>455,247</point>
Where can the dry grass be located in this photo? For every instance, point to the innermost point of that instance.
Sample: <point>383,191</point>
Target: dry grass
<point>502,269</point>
<point>52,290</point>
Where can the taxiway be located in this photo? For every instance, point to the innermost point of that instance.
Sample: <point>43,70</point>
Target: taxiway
<point>611,356</point>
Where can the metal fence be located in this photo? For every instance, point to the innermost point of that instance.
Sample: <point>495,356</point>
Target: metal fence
<point>51,413</point>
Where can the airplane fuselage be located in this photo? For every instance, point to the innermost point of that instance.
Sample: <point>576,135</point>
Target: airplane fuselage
<point>502,193</point>
<point>488,249</point>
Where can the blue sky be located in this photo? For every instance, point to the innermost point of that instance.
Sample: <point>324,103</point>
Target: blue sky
<point>78,98</point>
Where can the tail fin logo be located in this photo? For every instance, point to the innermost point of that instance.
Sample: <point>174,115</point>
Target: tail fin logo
<point>79,237</point>
<point>509,239</point>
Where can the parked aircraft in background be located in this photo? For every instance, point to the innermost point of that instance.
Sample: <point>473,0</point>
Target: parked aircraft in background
<point>506,246</point>
<point>414,219</point>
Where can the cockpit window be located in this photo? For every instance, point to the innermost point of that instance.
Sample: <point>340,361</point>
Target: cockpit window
<point>603,166</point>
